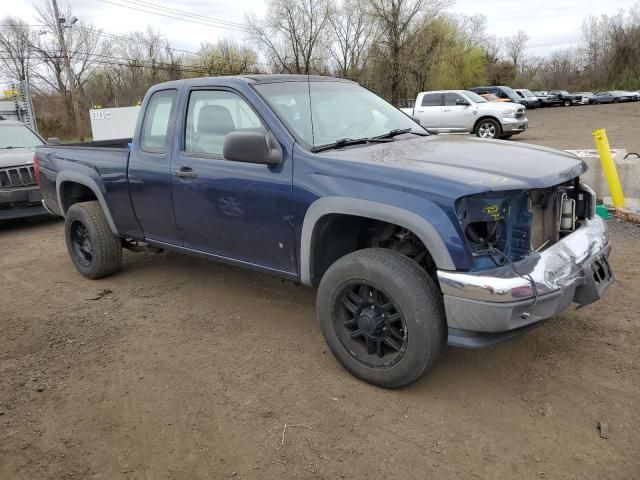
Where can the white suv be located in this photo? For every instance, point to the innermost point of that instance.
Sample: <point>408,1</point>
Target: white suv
<point>467,112</point>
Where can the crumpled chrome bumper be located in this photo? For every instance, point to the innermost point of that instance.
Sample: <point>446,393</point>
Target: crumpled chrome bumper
<point>575,269</point>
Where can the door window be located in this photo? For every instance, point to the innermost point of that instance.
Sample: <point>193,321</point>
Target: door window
<point>432,100</point>
<point>211,115</point>
<point>450,99</point>
<point>157,118</point>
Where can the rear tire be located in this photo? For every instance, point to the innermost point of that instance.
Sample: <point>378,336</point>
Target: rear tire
<point>382,316</point>
<point>94,250</point>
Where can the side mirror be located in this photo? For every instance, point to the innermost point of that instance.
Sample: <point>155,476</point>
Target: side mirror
<point>53,141</point>
<point>251,147</point>
<point>461,101</point>
<point>415,119</point>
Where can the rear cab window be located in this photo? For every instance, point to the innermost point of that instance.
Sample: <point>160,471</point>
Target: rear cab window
<point>432,100</point>
<point>157,120</point>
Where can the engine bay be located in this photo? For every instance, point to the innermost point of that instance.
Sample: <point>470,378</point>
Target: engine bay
<point>504,227</point>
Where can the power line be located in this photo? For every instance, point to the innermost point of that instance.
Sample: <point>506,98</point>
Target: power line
<point>149,4</point>
<point>173,17</point>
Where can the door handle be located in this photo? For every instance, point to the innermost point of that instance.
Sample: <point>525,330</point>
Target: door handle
<point>185,172</point>
<point>447,110</point>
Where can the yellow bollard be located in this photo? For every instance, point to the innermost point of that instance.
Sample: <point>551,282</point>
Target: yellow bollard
<point>609,167</point>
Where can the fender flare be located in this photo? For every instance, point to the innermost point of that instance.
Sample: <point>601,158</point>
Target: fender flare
<point>91,185</point>
<point>374,210</point>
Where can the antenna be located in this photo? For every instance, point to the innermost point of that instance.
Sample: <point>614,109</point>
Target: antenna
<point>313,138</point>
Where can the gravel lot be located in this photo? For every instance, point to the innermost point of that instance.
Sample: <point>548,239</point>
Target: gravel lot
<point>180,368</point>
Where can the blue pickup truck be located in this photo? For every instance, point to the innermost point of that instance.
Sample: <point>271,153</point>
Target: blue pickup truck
<point>413,240</point>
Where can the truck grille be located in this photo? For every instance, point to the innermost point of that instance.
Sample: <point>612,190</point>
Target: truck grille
<point>13,177</point>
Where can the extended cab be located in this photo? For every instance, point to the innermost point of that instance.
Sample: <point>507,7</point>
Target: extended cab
<point>467,112</point>
<point>413,240</point>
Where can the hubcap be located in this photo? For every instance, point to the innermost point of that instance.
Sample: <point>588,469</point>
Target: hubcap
<point>369,324</point>
<point>487,130</point>
<point>81,244</point>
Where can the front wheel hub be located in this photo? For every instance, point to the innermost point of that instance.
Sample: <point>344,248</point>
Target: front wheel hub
<point>370,324</point>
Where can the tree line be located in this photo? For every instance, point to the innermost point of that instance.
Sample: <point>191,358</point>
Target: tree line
<point>394,47</point>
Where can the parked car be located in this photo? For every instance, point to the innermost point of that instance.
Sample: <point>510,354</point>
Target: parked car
<point>490,97</point>
<point>562,97</point>
<point>19,193</point>
<point>632,96</point>
<point>588,98</point>
<point>412,239</point>
<point>500,91</point>
<point>612,96</point>
<point>543,98</point>
<point>530,100</point>
<point>466,112</point>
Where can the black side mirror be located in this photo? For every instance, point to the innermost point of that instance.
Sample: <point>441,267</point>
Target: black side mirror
<point>461,101</point>
<point>251,147</point>
<point>415,119</point>
<point>53,141</point>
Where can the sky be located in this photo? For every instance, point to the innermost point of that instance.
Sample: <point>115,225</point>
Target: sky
<point>550,24</point>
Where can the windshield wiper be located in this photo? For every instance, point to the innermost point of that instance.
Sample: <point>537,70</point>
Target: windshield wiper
<point>399,131</point>
<point>346,142</point>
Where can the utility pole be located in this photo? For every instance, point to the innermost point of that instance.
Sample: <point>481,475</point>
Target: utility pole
<point>67,64</point>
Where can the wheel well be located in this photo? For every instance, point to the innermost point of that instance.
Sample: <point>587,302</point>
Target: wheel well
<point>485,117</point>
<point>73,192</point>
<point>336,235</point>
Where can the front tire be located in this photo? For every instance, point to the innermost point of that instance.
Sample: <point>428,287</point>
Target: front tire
<point>567,103</point>
<point>616,100</point>
<point>488,128</point>
<point>94,250</point>
<point>382,316</point>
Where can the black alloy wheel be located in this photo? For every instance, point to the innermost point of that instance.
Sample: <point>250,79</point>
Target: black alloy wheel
<point>369,324</point>
<point>81,245</point>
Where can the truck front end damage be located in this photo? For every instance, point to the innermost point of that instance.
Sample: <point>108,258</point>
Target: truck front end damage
<point>534,253</point>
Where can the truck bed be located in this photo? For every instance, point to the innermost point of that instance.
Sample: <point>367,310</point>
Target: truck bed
<point>100,166</point>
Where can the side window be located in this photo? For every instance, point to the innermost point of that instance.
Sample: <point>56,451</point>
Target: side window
<point>432,100</point>
<point>212,114</point>
<point>155,127</point>
<point>450,99</point>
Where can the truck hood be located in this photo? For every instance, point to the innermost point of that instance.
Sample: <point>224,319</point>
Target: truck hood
<point>499,106</point>
<point>15,157</point>
<point>456,166</point>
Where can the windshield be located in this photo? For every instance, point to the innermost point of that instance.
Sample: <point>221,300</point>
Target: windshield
<point>527,93</point>
<point>509,92</point>
<point>474,97</point>
<point>339,110</point>
<point>17,136</point>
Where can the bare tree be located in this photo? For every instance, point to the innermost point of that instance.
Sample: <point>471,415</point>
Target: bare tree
<point>352,32</point>
<point>225,57</point>
<point>292,33</point>
<point>515,45</point>
<point>85,49</point>
<point>396,21</point>
<point>16,43</point>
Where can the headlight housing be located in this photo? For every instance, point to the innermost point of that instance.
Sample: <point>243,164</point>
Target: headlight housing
<point>509,114</point>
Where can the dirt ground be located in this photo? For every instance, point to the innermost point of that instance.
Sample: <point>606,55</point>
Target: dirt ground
<point>570,128</point>
<point>180,368</point>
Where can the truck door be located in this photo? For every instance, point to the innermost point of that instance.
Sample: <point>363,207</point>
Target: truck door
<point>429,110</point>
<point>150,168</point>
<point>235,210</point>
<point>456,115</point>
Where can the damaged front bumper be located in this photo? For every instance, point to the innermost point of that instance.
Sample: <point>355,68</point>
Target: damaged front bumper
<point>493,305</point>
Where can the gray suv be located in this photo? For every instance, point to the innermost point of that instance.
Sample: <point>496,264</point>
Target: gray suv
<point>19,193</point>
